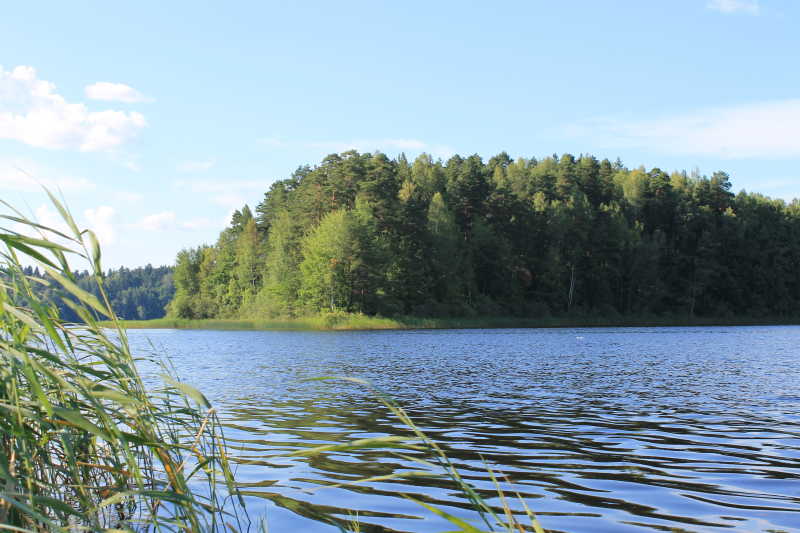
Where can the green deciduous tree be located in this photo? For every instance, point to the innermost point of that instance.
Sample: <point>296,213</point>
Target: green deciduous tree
<point>330,256</point>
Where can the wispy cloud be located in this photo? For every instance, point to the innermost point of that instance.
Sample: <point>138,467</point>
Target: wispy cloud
<point>749,7</point>
<point>202,223</point>
<point>222,185</point>
<point>33,113</point>
<point>196,166</point>
<point>363,145</point>
<point>132,165</point>
<point>385,145</point>
<point>168,220</point>
<point>24,175</point>
<point>231,194</point>
<point>766,129</point>
<point>114,92</point>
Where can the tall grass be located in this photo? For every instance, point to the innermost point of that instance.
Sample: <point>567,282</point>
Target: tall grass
<point>85,446</point>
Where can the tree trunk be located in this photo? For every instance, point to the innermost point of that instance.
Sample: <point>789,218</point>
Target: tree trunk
<point>571,288</point>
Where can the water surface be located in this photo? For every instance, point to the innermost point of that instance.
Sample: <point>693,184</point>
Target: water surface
<point>601,429</point>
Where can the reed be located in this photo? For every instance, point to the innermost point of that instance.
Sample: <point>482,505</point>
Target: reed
<point>83,444</point>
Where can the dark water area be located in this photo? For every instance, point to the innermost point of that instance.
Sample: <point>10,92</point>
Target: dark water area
<point>606,429</point>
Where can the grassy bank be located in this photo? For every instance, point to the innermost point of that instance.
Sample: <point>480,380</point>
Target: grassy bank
<point>342,321</point>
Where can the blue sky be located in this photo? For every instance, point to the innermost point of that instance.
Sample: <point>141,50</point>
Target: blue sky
<point>157,119</point>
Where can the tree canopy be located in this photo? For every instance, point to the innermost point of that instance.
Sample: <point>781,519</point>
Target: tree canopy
<point>525,237</point>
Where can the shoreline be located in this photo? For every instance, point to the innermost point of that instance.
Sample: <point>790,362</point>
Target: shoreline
<point>346,322</point>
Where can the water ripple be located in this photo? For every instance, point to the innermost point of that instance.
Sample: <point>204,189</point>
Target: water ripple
<point>668,429</point>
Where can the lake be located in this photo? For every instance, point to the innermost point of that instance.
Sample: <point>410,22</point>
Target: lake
<point>599,429</point>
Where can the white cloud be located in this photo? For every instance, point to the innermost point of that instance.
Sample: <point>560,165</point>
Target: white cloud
<point>44,215</point>
<point>49,217</point>
<point>33,113</point>
<point>157,221</point>
<point>23,175</point>
<point>99,221</point>
<point>196,166</point>
<point>114,92</point>
<point>749,7</point>
<point>765,129</point>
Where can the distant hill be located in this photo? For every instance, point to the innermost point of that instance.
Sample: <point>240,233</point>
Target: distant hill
<point>136,294</point>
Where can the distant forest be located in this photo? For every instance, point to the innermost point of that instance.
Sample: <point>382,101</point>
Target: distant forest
<point>136,294</point>
<point>556,236</point>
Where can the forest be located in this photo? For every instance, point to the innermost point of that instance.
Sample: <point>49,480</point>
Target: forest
<point>557,236</point>
<point>135,294</point>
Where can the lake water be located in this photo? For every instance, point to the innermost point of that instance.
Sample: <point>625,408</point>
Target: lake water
<point>607,429</point>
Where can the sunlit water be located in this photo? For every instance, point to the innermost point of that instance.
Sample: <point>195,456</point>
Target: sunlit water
<point>614,429</point>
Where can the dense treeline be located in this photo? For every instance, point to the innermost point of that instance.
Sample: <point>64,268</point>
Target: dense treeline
<point>526,237</point>
<point>136,294</point>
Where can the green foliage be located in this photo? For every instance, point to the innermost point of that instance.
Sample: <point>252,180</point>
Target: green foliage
<point>249,261</point>
<point>445,260</point>
<point>362,233</point>
<point>331,255</point>
<point>84,445</point>
<point>278,296</point>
